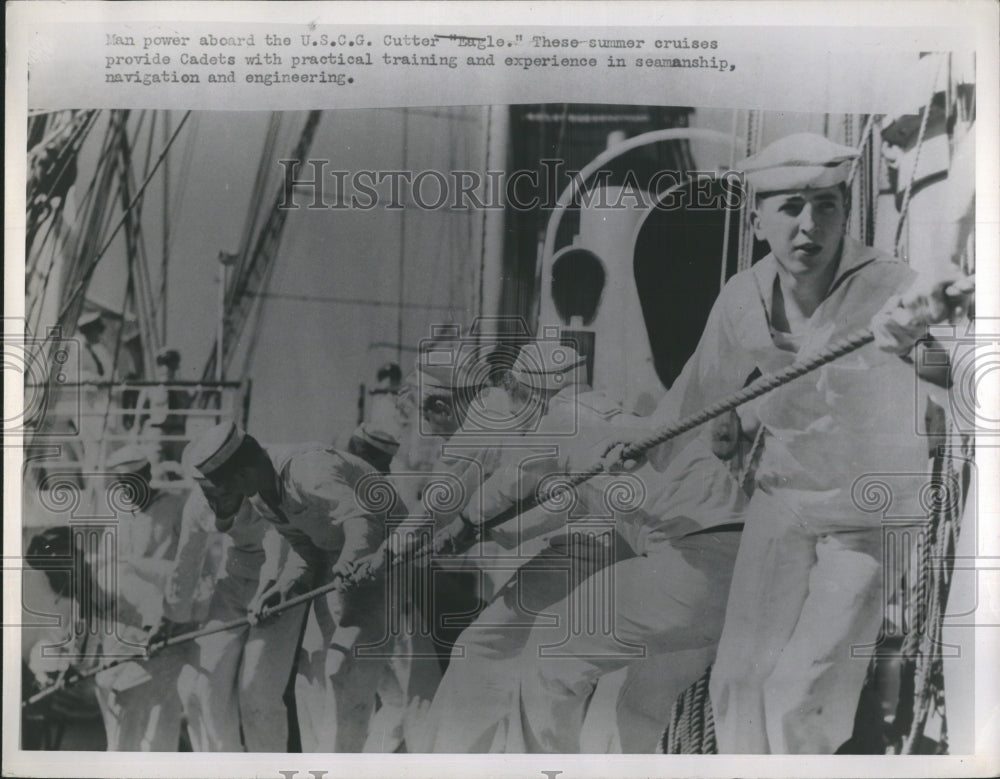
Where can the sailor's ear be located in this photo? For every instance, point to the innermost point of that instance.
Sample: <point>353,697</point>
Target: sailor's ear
<point>755,220</point>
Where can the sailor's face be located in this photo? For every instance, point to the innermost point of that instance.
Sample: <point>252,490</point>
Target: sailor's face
<point>223,502</point>
<point>165,372</point>
<point>804,228</point>
<point>439,415</point>
<point>239,481</point>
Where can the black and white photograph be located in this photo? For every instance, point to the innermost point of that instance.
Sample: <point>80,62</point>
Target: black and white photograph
<point>392,387</point>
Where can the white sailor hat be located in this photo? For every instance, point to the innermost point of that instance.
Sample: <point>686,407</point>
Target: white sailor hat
<point>215,447</point>
<point>377,438</point>
<point>187,464</point>
<point>89,319</point>
<point>451,366</point>
<point>127,459</point>
<point>548,365</point>
<point>799,161</point>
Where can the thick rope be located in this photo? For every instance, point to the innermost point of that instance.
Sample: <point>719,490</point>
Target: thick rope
<point>692,725</point>
<point>181,638</point>
<point>762,386</point>
<point>923,674</point>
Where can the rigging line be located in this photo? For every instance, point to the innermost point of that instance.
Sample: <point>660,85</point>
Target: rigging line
<point>102,188</point>
<point>135,258</point>
<point>59,242</point>
<point>254,207</point>
<point>110,155</point>
<point>904,209</point>
<point>59,125</point>
<point>136,252</point>
<point>856,165</point>
<point>175,206</point>
<point>256,313</point>
<point>129,288</point>
<point>263,263</point>
<point>482,225</point>
<point>144,277</point>
<point>869,124</point>
<point>99,215</point>
<point>89,272</point>
<point>78,132</point>
<point>402,247</point>
<point>55,216</point>
<point>728,218</point>
<point>91,120</point>
<point>165,260</point>
<point>33,263</point>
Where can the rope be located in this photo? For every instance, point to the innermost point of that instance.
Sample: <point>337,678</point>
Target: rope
<point>760,387</point>
<point>923,673</point>
<point>181,638</point>
<point>81,285</point>
<point>692,724</point>
<point>916,161</point>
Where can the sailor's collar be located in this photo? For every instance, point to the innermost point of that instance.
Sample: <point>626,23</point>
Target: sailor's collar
<point>854,255</point>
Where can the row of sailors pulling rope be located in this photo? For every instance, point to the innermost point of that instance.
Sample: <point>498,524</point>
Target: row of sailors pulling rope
<point>860,292</point>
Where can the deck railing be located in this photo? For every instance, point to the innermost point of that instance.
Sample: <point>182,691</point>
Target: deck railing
<point>79,426</point>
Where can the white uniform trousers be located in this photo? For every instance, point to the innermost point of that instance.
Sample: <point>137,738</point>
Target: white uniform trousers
<point>805,593</point>
<point>238,677</point>
<point>350,654</point>
<point>139,703</point>
<point>672,600</point>
<point>471,711</point>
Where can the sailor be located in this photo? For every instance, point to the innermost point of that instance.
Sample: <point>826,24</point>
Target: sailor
<point>96,366</point>
<point>807,581</point>
<point>138,700</point>
<point>460,457</point>
<point>153,531</point>
<point>235,680</point>
<point>461,423</point>
<point>162,428</point>
<point>562,429</point>
<point>96,363</point>
<point>668,599</point>
<point>410,674</point>
<point>56,651</point>
<point>383,413</point>
<point>308,493</point>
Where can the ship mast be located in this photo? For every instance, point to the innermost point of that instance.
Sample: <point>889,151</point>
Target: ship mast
<point>253,269</point>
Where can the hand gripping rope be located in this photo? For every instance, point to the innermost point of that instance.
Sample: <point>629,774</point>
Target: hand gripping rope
<point>181,638</point>
<point>457,533</point>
